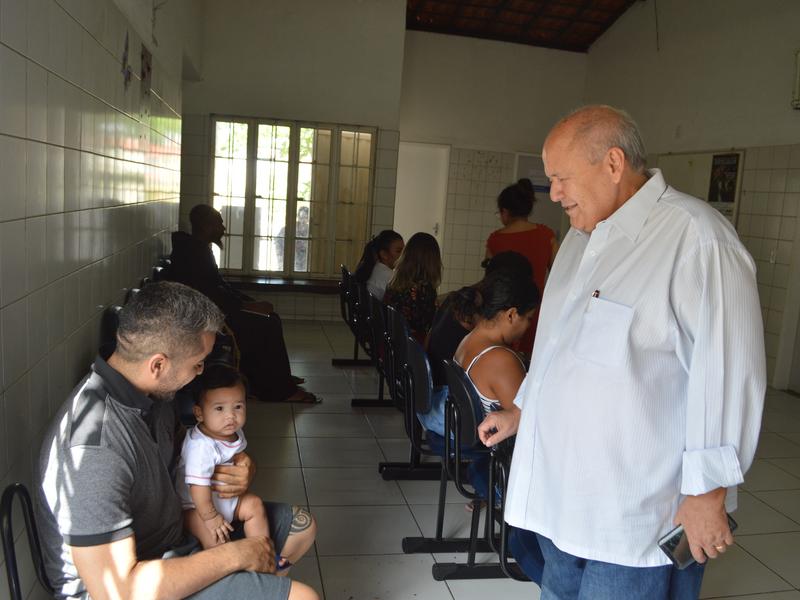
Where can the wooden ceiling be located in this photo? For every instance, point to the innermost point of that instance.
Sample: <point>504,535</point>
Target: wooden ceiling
<point>562,24</point>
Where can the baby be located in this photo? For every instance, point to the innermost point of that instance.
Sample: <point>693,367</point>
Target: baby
<point>220,412</point>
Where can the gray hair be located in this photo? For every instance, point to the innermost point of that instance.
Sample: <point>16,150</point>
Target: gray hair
<point>165,317</point>
<point>601,127</point>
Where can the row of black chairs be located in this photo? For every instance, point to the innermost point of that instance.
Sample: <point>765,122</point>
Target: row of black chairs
<point>401,361</point>
<point>108,336</point>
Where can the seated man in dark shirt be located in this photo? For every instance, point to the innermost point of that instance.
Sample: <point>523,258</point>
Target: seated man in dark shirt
<point>258,330</point>
<point>110,519</point>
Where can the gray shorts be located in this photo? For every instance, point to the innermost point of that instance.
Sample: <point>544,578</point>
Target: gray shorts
<point>245,584</point>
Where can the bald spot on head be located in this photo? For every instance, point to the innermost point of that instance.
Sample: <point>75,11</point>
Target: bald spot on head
<point>593,130</point>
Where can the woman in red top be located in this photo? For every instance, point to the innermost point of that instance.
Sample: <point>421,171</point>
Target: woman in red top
<point>534,241</point>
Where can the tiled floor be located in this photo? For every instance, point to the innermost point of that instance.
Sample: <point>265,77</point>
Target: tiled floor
<point>325,456</point>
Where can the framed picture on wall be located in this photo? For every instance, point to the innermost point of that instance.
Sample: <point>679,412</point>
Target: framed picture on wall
<point>724,178</point>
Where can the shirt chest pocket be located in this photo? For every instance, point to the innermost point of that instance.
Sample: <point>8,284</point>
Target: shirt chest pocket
<point>603,333</point>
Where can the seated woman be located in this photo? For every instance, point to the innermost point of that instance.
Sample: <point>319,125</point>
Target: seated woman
<point>412,289</point>
<point>448,330</point>
<point>502,307</point>
<point>375,268</point>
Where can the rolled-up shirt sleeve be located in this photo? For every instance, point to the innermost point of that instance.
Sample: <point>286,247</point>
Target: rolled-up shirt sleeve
<point>721,344</point>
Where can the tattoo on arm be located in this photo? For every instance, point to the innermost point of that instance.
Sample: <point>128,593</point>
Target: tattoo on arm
<point>301,520</point>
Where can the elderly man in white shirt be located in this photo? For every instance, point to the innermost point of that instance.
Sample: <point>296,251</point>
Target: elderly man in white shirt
<point>642,406</point>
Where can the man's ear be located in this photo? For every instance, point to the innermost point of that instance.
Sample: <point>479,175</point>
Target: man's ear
<point>615,163</point>
<point>157,365</point>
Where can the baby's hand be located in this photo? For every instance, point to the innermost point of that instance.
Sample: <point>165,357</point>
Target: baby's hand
<point>220,529</point>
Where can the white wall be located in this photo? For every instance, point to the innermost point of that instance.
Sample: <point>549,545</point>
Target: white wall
<point>90,175</point>
<point>484,94</point>
<point>722,78</point>
<point>316,60</point>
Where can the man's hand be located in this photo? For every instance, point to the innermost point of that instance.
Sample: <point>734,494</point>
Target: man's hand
<point>262,307</point>
<point>498,426</point>
<point>255,554</point>
<point>220,529</point>
<point>705,523</point>
<point>234,479</point>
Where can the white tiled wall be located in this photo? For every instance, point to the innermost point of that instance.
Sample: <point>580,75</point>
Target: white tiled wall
<point>196,179</point>
<point>767,225</point>
<point>476,179</point>
<point>89,176</point>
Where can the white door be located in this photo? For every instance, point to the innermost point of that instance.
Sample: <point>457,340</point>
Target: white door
<point>422,171</point>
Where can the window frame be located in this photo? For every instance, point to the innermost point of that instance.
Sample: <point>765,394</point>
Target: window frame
<point>331,269</point>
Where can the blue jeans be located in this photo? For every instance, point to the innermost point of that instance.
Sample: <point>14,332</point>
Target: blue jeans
<point>525,549</point>
<point>568,577</point>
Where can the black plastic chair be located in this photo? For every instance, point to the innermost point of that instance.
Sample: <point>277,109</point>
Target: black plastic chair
<point>378,346</point>
<point>9,551</point>
<point>463,413</point>
<point>370,332</point>
<point>499,467</point>
<point>347,309</point>
<point>419,393</point>
<point>159,273</point>
<point>408,391</point>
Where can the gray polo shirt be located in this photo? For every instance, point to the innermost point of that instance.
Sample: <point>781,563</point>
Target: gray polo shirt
<point>104,470</point>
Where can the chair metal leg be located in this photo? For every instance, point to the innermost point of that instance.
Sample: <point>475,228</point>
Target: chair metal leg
<point>352,362</point>
<point>380,402</point>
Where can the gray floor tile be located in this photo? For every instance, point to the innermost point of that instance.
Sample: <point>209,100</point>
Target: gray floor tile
<point>773,445</point>
<point>307,571</point>
<point>331,403</point>
<point>280,485</point>
<point>399,449</point>
<point>386,422</point>
<point>332,425</point>
<point>327,384</point>
<point>792,437</point>
<point>269,419</point>
<point>395,577</point>
<point>314,368</point>
<point>790,465</point>
<point>506,589</point>
<point>350,486</point>
<point>344,452</point>
<point>737,572</point>
<point>273,451</point>
<point>778,551</point>
<point>456,519</point>
<point>756,517</point>
<point>784,501</point>
<point>781,422</point>
<point>427,492</point>
<point>764,475</point>
<point>348,530</point>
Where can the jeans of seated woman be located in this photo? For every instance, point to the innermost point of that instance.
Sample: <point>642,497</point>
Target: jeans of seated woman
<point>433,420</point>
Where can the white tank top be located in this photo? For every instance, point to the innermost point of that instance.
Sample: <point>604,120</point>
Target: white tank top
<point>489,404</point>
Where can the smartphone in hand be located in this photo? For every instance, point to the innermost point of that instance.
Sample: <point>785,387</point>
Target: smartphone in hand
<point>675,545</point>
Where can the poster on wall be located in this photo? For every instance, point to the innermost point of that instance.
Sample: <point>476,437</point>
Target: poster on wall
<point>722,183</point>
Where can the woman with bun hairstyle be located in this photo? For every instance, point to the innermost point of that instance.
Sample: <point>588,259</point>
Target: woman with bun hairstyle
<point>412,289</point>
<point>534,241</point>
<point>376,266</point>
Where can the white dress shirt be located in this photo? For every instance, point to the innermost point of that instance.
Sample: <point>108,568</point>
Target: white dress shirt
<point>647,380</point>
<point>379,279</point>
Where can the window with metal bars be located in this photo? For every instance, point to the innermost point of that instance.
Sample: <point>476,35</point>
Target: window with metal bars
<point>295,197</point>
